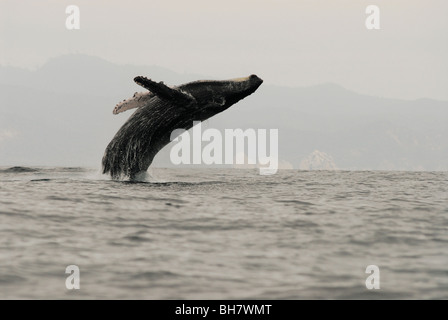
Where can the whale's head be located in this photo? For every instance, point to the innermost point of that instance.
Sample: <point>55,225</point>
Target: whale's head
<point>215,96</point>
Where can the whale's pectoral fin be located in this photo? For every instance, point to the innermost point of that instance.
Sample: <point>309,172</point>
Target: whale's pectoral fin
<point>138,100</point>
<point>163,91</point>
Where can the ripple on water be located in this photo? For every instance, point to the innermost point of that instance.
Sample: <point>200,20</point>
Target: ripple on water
<point>201,234</point>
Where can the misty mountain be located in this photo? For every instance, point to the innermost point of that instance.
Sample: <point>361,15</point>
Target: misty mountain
<point>61,114</point>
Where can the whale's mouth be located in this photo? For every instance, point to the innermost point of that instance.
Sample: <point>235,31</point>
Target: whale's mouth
<point>254,83</point>
<point>255,80</point>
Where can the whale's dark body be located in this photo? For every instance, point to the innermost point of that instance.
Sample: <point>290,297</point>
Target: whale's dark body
<point>163,110</point>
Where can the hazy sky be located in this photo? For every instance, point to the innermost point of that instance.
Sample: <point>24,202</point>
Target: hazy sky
<point>285,42</point>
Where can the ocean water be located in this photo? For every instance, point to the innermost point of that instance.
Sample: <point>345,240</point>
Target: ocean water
<point>223,234</point>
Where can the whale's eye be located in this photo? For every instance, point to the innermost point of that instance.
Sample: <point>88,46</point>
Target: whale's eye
<point>219,101</point>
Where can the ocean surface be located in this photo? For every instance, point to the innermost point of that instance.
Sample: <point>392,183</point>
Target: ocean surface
<point>223,234</point>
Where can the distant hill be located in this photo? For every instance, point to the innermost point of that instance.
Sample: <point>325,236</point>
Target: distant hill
<point>82,74</point>
<point>61,114</point>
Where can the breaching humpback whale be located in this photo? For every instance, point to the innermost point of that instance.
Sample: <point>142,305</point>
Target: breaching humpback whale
<point>162,110</point>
